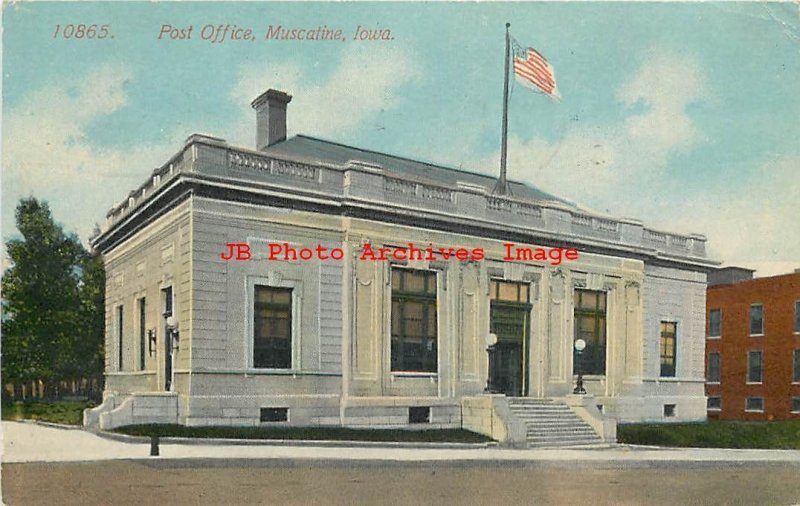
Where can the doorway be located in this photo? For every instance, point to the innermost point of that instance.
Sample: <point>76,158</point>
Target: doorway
<point>509,320</point>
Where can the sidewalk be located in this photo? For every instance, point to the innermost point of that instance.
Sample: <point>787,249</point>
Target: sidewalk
<point>31,442</point>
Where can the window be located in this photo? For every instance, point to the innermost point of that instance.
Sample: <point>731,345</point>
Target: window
<point>668,342</point>
<point>272,327</point>
<point>142,332</point>
<point>714,403</point>
<point>274,414</point>
<point>669,410</point>
<point>419,414</point>
<point>755,367</point>
<point>509,291</point>
<point>414,327</point>
<point>119,337</point>
<point>715,323</point>
<point>714,367</point>
<point>167,304</point>
<point>590,325</point>
<point>754,404</point>
<point>795,404</point>
<point>797,316</point>
<point>756,319</point>
<point>796,375</point>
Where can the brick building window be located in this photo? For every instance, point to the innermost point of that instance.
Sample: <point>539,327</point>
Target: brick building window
<point>755,367</point>
<point>754,404</point>
<point>796,375</point>
<point>714,367</point>
<point>714,323</point>
<point>272,327</point>
<point>590,325</point>
<point>756,320</point>
<point>795,404</point>
<point>797,316</point>
<point>714,403</point>
<point>414,329</point>
<point>669,332</point>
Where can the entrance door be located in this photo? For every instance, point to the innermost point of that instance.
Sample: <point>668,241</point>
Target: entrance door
<point>166,301</point>
<point>510,322</point>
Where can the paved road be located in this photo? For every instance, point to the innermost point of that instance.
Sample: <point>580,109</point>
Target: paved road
<point>45,465</point>
<point>273,482</point>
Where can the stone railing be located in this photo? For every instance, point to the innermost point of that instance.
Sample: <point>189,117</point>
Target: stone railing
<point>295,170</point>
<point>181,162</point>
<point>504,205</point>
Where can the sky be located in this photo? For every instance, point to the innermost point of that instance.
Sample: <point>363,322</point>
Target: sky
<point>682,115</point>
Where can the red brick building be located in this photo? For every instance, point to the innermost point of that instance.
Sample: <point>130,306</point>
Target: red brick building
<point>753,346</point>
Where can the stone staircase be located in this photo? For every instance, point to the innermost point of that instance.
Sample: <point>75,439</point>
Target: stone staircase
<point>552,423</point>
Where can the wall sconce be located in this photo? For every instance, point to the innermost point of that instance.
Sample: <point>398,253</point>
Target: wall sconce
<point>151,339</point>
<point>172,331</point>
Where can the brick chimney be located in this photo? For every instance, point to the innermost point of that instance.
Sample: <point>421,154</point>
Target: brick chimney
<point>270,109</point>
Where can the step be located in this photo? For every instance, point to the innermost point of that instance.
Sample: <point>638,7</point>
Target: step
<point>565,418</point>
<point>531,436</point>
<point>564,430</point>
<point>559,409</point>
<point>560,430</point>
<point>551,437</point>
<point>556,423</point>
<point>563,442</point>
<point>545,414</point>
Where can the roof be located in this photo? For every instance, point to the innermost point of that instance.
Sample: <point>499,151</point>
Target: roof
<point>311,150</point>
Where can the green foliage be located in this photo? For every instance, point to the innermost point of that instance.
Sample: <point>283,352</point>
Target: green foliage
<point>718,434</point>
<point>52,302</point>
<point>66,412</point>
<point>307,433</point>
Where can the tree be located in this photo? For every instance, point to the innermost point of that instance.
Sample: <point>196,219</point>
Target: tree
<point>50,302</point>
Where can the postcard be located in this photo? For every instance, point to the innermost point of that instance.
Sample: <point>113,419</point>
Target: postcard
<point>400,252</point>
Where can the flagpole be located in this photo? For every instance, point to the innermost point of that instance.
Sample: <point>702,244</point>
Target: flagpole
<point>502,184</point>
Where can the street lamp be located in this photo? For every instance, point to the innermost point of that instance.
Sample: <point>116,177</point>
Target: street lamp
<point>580,345</point>
<point>491,348</point>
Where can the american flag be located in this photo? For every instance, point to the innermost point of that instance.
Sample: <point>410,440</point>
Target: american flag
<point>531,68</point>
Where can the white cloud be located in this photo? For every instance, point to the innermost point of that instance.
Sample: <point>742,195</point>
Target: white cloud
<point>666,84</point>
<point>364,83</point>
<point>753,223</point>
<point>48,152</point>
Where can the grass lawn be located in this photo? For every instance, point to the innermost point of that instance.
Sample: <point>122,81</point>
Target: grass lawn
<point>718,434</point>
<point>308,433</point>
<point>66,412</point>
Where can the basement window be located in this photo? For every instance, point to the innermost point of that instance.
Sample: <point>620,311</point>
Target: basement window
<point>274,414</point>
<point>669,410</point>
<point>419,414</point>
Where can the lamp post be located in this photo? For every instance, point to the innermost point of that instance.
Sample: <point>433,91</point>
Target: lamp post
<point>491,348</point>
<point>580,345</point>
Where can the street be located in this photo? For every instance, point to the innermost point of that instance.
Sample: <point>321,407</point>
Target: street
<point>206,481</point>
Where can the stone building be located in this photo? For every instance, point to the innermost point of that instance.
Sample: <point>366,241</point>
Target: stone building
<point>196,339</point>
<point>753,346</point>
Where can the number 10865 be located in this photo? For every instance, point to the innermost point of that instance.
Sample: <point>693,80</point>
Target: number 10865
<point>82,32</point>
